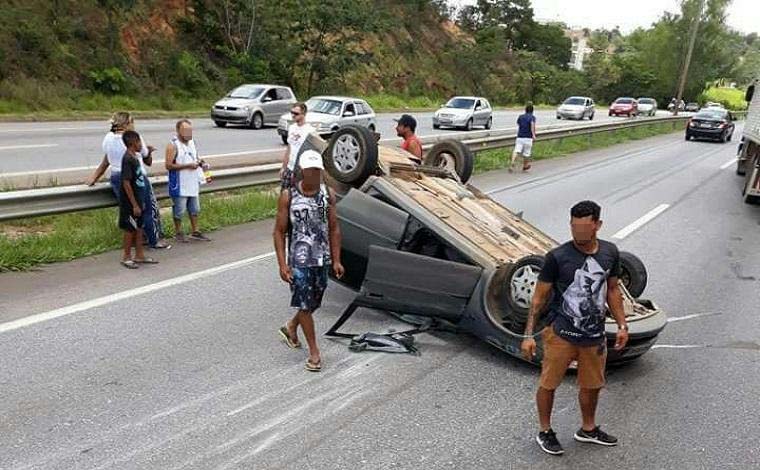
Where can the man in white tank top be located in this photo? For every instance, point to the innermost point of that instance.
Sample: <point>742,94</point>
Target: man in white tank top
<point>313,241</point>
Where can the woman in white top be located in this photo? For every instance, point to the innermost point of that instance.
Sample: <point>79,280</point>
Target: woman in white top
<point>114,150</point>
<point>297,133</point>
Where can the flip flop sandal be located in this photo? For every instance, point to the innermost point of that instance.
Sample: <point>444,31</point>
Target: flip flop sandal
<point>314,366</point>
<point>146,261</point>
<point>288,340</point>
<point>129,264</point>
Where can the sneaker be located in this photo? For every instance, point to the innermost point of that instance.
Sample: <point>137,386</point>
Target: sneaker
<point>597,436</point>
<point>180,237</point>
<point>199,236</point>
<point>549,443</point>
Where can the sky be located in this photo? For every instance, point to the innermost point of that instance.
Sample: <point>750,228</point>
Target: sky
<point>743,15</point>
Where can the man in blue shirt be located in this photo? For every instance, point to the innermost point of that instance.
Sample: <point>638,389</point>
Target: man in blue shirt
<point>526,134</point>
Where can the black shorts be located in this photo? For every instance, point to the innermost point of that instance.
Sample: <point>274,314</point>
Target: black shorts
<point>127,221</point>
<point>308,287</point>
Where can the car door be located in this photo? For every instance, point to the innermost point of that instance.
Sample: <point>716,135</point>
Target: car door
<point>409,283</point>
<point>269,104</point>
<point>285,100</point>
<point>478,114</point>
<point>349,114</point>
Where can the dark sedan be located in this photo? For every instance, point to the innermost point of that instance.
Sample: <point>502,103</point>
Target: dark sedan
<point>713,123</point>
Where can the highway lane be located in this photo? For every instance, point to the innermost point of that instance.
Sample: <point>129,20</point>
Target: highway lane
<point>192,375</point>
<point>45,146</point>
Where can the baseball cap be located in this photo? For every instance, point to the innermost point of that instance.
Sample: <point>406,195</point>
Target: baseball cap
<point>407,120</point>
<point>311,159</point>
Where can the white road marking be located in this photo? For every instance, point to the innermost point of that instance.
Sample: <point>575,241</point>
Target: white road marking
<point>640,222</point>
<point>35,146</point>
<point>108,299</point>
<point>689,317</point>
<point>728,164</point>
<point>680,346</point>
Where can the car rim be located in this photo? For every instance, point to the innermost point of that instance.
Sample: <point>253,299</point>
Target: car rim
<point>524,284</point>
<point>447,161</point>
<point>257,121</point>
<point>346,153</point>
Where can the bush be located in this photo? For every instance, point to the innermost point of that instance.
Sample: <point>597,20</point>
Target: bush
<point>110,81</point>
<point>731,98</point>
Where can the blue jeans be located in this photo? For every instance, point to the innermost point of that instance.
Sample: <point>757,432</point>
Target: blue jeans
<point>189,203</point>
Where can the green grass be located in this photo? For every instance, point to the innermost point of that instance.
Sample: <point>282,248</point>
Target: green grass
<point>497,159</point>
<point>27,243</point>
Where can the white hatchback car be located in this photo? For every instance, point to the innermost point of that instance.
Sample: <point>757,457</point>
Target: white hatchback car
<point>464,112</point>
<point>327,114</point>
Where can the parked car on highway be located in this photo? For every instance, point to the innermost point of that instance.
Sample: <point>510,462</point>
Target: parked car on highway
<point>711,123</point>
<point>647,106</point>
<point>464,112</point>
<point>624,107</point>
<point>253,105</point>
<point>692,107</point>
<point>576,107</point>
<point>421,243</point>
<point>327,114</point>
<point>712,104</point>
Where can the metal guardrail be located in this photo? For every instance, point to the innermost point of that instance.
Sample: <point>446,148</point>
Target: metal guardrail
<point>56,200</point>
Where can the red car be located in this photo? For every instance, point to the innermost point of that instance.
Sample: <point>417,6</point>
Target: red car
<point>624,107</point>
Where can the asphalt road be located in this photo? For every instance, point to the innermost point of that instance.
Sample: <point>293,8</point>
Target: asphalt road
<point>188,372</point>
<point>43,147</point>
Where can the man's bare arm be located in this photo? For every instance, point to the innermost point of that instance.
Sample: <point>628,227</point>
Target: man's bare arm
<point>615,301</point>
<point>281,227</point>
<point>334,227</point>
<point>541,297</point>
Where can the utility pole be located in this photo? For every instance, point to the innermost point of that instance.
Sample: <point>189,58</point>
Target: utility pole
<point>685,71</point>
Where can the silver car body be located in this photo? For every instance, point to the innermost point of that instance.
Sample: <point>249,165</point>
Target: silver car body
<point>253,104</point>
<point>327,114</point>
<point>647,106</point>
<point>461,110</point>
<point>576,107</point>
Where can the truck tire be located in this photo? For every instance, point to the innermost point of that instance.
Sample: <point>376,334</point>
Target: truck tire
<point>449,153</point>
<point>351,155</point>
<point>633,273</point>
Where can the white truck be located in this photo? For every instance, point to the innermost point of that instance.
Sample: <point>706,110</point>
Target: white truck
<point>748,162</point>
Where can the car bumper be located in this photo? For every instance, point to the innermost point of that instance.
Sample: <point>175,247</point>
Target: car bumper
<point>567,115</point>
<point>452,122</point>
<point>707,133</point>
<point>620,112</point>
<point>238,117</point>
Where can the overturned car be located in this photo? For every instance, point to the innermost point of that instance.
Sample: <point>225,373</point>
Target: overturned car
<point>419,242</point>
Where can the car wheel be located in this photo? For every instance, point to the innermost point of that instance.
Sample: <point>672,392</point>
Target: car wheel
<point>220,124</point>
<point>521,280</point>
<point>468,126</point>
<point>351,155</point>
<point>436,126</point>
<point>454,155</point>
<point>559,117</point>
<point>489,123</point>
<point>688,137</point>
<point>633,273</point>
<point>730,136</point>
<point>257,121</point>
<point>591,117</point>
<point>284,139</point>
<point>609,114</point>
<point>740,168</point>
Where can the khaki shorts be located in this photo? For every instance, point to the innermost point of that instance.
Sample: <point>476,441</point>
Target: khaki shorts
<point>559,353</point>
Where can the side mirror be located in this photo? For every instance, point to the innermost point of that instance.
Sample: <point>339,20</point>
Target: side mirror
<point>750,93</point>
<point>348,114</point>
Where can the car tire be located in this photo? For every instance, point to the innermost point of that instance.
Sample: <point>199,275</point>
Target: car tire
<point>351,155</point>
<point>688,137</point>
<point>559,117</point>
<point>451,152</point>
<point>609,114</point>
<point>521,281</point>
<point>220,124</point>
<point>591,117</point>
<point>284,139</point>
<point>436,126</point>
<point>489,123</point>
<point>730,136</point>
<point>633,273</point>
<point>740,170</point>
<point>468,126</point>
<point>257,121</point>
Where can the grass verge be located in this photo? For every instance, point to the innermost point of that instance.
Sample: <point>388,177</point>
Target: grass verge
<point>27,243</point>
<point>497,159</point>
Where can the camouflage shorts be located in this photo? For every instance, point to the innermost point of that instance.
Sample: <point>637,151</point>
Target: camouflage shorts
<point>308,287</point>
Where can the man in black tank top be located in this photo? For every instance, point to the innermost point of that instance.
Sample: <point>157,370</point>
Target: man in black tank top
<point>313,243</point>
<point>581,279</point>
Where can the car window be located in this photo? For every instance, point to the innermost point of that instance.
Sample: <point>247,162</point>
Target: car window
<point>349,109</point>
<point>246,91</point>
<point>271,93</point>
<point>576,101</point>
<point>460,103</point>
<point>362,108</point>
<point>324,106</point>
<point>624,101</point>
<point>478,104</point>
<point>367,107</point>
<point>284,94</point>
